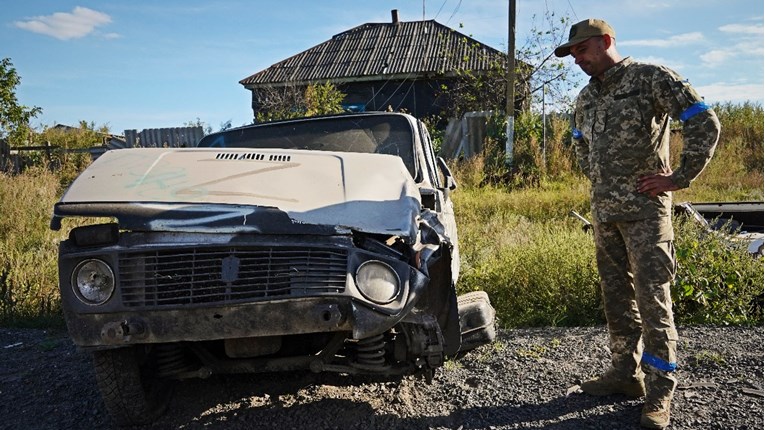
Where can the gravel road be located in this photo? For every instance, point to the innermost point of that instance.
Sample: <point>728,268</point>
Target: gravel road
<point>527,379</point>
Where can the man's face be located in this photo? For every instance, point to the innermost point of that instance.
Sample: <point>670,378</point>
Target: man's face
<point>590,55</point>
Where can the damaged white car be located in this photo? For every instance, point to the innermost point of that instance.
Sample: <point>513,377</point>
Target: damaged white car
<point>325,244</point>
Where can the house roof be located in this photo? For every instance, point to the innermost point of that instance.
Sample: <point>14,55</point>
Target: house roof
<point>376,51</point>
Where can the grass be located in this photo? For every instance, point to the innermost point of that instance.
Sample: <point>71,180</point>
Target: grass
<point>705,358</point>
<point>28,249</point>
<point>517,239</point>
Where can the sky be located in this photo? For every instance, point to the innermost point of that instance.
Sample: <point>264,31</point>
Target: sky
<point>150,64</point>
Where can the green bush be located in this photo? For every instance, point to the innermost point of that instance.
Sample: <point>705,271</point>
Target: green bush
<point>717,282</point>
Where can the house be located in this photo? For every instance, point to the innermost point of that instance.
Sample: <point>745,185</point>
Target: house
<point>383,66</point>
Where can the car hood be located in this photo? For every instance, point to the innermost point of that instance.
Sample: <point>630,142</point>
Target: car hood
<point>239,190</point>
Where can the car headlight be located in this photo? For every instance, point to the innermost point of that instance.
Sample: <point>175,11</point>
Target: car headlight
<point>377,281</point>
<point>93,281</point>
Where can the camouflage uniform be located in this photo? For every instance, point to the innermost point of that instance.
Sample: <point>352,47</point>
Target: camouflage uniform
<point>621,132</point>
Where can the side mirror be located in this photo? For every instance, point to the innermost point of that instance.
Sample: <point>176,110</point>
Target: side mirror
<point>449,182</point>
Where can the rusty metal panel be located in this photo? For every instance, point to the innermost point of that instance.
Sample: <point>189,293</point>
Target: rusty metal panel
<point>174,137</point>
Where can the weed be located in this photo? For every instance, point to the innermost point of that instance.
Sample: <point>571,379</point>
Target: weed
<point>534,352</point>
<point>706,358</point>
<point>452,365</point>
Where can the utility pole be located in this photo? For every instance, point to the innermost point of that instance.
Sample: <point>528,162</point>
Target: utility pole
<point>544,131</point>
<point>510,87</point>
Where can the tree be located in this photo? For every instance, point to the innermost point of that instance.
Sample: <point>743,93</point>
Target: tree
<point>14,118</point>
<point>546,69</point>
<point>536,66</point>
<point>294,102</point>
<point>323,99</point>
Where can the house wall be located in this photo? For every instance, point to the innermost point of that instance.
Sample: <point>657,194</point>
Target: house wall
<point>417,97</point>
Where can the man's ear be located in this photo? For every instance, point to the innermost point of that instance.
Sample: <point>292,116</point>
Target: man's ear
<point>607,41</point>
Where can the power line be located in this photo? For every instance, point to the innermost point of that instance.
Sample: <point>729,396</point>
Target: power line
<point>440,9</point>
<point>455,11</point>
<point>572,10</point>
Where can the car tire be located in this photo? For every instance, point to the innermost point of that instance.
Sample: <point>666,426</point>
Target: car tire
<point>476,315</point>
<point>133,395</point>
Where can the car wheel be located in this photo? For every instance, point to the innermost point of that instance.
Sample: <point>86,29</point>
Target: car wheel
<point>132,393</point>
<point>477,326</point>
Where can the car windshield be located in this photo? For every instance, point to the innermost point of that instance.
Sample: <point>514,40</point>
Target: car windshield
<point>373,134</point>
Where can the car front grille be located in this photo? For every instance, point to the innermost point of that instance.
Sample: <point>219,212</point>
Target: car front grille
<point>213,276</point>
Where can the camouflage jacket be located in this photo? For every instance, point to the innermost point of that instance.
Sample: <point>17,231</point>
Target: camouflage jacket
<point>621,132</point>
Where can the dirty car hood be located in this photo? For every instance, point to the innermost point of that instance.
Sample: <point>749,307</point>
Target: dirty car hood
<point>239,190</point>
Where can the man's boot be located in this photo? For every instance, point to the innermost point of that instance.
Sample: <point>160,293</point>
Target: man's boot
<point>661,387</point>
<point>612,382</point>
<point>655,413</point>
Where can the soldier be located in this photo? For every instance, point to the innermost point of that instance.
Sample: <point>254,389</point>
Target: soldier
<point>621,133</point>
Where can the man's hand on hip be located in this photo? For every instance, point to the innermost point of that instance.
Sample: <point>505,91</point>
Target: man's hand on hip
<point>657,183</point>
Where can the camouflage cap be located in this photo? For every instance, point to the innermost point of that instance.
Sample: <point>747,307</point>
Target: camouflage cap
<point>582,31</point>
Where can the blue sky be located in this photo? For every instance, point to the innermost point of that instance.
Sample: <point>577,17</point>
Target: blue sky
<point>145,64</point>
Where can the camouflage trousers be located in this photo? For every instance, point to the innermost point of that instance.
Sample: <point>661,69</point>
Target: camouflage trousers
<point>636,262</point>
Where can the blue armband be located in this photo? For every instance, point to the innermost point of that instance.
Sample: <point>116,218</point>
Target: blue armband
<point>658,363</point>
<point>693,110</point>
<point>576,133</point>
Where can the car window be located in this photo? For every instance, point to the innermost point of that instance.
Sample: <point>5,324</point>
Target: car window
<point>374,134</point>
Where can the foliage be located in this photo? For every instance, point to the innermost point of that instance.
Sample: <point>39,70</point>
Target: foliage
<point>540,151</point>
<point>736,170</point>
<point>323,99</point>
<point>294,102</point>
<point>536,273</point>
<point>547,70</point>
<point>717,280</point>
<point>14,118</point>
<point>536,66</point>
<point>71,145</point>
<point>206,128</point>
<point>475,91</point>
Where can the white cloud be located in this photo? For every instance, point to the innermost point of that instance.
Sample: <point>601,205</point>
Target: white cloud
<point>742,28</point>
<point>677,40</point>
<point>716,57</point>
<point>672,64</point>
<point>66,25</point>
<point>734,93</point>
<point>746,47</point>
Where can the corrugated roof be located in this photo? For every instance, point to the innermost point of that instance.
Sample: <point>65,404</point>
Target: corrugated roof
<point>374,51</point>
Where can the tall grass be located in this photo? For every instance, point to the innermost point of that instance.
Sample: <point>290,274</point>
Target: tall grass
<point>28,249</point>
<point>736,170</point>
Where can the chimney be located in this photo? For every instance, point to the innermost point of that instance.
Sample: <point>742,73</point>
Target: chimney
<point>394,16</point>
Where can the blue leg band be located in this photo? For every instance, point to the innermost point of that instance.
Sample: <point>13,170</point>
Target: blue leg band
<point>658,363</point>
